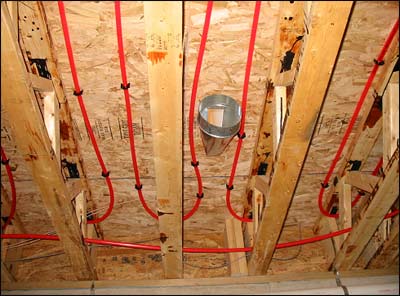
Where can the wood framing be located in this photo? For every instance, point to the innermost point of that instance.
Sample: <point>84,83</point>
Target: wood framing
<point>370,125</point>
<point>384,195</point>
<point>163,25</point>
<point>272,284</point>
<point>390,102</point>
<point>344,206</point>
<point>35,41</point>
<point>291,18</point>
<point>31,137</point>
<point>319,48</point>
<point>234,239</point>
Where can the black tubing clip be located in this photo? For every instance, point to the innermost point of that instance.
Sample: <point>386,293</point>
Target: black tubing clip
<point>138,187</point>
<point>229,188</point>
<point>200,195</point>
<point>379,63</point>
<point>241,136</point>
<point>128,85</point>
<point>78,93</point>
<point>324,185</point>
<point>194,164</point>
<point>105,174</point>
<point>5,161</point>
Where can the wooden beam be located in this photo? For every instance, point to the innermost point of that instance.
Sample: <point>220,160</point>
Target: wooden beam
<point>279,113</point>
<point>271,284</point>
<point>41,84</point>
<point>384,195</point>
<point>344,206</point>
<point>258,206</point>
<point>234,239</point>
<point>34,144</point>
<point>51,116</point>
<point>363,181</point>
<point>290,25</point>
<point>6,275</point>
<point>80,210</point>
<point>38,44</point>
<point>376,253</point>
<point>390,106</point>
<point>320,48</point>
<point>163,25</point>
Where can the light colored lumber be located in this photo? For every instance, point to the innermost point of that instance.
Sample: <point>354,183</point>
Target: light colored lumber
<point>163,25</point>
<point>234,239</point>
<point>286,33</point>
<point>51,118</point>
<point>258,206</point>
<point>34,144</point>
<point>363,181</point>
<point>40,83</point>
<point>319,48</point>
<point>390,129</point>
<point>279,112</point>
<point>80,210</point>
<point>344,206</point>
<point>384,195</point>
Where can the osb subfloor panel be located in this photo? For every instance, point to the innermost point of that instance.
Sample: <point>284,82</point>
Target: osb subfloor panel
<point>92,29</point>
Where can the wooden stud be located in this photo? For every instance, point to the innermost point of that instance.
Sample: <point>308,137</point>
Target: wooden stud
<point>344,206</point>
<point>279,113</point>
<point>390,104</point>
<point>41,84</point>
<point>51,118</point>
<point>32,139</point>
<point>163,25</point>
<point>234,239</point>
<point>38,44</point>
<point>319,48</point>
<point>363,181</point>
<point>384,195</point>
<point>80,210</point>
<point>258,206</point>
<point>290,26</point>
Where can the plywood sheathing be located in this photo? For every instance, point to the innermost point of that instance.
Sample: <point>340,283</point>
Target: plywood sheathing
<point>92,27</point>
<point>365,36</point>
<point>93,39</point>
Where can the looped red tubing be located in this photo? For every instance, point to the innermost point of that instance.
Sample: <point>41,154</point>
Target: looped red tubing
<point>5,160</point>
<point>354,117</point>
<point>192,104</point>
<point>128,108</point>
<point>84,113</point>
<point>244,104</point>
<point>188,250</point>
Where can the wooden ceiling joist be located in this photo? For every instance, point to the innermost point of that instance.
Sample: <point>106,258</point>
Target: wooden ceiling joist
<point>319,49</point>
<point>19,101</point>
<point>384,195</point>
<point>163,23</point>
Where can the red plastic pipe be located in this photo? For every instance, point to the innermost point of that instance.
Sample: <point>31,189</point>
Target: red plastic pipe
<point>84,113</point>
<point>203,41</point>
<point>138,185</point>
<point>5,161</point>
<point>354,117</point>
<point>374,173</point>
<point>187,250</point>
<point>244,104</point>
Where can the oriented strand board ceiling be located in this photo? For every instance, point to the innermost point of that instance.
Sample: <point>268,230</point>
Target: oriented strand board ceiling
<point>93,36</point>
